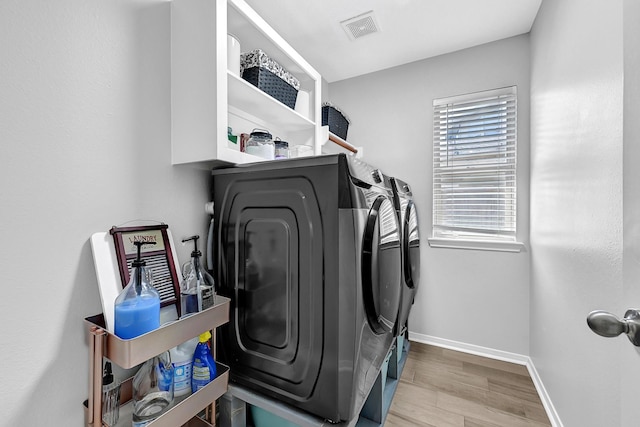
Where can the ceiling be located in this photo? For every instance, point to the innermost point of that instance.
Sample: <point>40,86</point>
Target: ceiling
<point>409,30</point>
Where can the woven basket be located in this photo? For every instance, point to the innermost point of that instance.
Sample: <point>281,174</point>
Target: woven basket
<point>269,76</point>
<point>338,123</point>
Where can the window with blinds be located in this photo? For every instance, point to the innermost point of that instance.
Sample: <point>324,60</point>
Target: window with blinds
<point>474,166</point>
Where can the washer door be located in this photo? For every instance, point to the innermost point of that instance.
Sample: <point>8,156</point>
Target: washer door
<point>381,266</point>
<point>411,247</point>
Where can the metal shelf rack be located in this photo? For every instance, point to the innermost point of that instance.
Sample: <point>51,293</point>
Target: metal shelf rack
<point>130,353</point>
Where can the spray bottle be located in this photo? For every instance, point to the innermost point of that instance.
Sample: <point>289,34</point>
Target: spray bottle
<point>204,367</point>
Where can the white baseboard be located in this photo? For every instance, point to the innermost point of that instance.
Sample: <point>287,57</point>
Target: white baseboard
<point>544,396</point>
<point>505,356</point>
<point>470,348</point>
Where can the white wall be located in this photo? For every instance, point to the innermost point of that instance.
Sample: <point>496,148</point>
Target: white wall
<point>85,128</point>
<point>472,297</point>
<point>576,205</point>
<point>85,134</point>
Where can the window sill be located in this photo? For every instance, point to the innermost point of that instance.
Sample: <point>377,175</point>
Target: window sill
<point>481,245</point>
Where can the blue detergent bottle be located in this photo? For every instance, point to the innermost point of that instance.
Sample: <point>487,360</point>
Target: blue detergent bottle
<point>137,308</point>
<point>204,367</point>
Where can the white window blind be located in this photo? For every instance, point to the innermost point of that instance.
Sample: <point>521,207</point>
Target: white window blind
<point>474,166</point>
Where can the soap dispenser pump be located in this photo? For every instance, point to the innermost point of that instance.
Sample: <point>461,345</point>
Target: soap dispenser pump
<point>197,288</point>
<point>110,396</point>
<point>137,308</point>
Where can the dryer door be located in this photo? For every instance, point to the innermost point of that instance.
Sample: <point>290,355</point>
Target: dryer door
<point>411,249</point>
<point>381,266</point>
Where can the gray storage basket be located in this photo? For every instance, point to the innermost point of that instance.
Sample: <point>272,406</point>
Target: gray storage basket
<point>338,122</point>
<point>267,75</point>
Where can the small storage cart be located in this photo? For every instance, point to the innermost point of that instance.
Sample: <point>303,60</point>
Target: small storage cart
<point>130,353</point>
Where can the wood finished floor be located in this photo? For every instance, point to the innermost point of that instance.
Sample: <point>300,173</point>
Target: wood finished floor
<point>446,388</point>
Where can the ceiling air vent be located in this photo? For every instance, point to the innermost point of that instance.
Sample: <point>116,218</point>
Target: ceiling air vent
<point>361,25</point>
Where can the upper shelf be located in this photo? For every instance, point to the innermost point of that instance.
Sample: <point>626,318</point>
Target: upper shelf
<point>250,100</point>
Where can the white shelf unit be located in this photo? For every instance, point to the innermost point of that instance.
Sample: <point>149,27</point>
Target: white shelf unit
<point>206,98</point>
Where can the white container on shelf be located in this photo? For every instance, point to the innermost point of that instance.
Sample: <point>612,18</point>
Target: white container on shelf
<point>260,144</point>
<point>302,104</point>
<point>233,54</point>
<point>301,151</point>
<point>182,360</point>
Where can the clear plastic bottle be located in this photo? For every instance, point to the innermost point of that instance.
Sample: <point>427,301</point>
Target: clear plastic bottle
<point>197,289</point>
<point>152,389</point>
<point>137,308</point>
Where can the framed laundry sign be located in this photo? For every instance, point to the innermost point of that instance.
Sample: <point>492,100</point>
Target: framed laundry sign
<point>159,258</point>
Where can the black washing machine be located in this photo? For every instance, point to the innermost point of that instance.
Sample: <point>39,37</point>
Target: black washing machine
<point>410,242</point>
<point>309,252</point>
